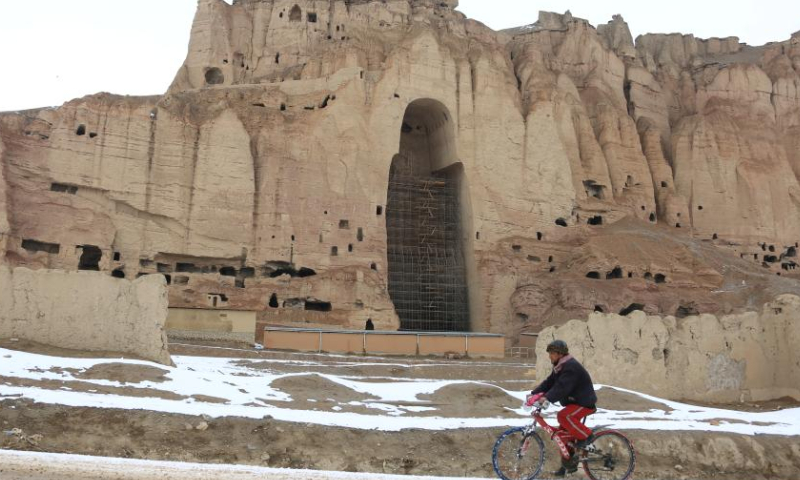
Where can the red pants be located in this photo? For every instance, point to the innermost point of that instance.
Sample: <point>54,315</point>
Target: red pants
<point>572,427</point>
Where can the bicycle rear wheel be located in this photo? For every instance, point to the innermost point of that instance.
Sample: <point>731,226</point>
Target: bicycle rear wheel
<point>609,457</point>
<point>517,456</point>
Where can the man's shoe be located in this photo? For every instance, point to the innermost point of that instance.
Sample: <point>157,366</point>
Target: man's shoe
<point>582,444</point>
<point>567,466</point>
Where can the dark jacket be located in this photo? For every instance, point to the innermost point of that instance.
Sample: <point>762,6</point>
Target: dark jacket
<point>571,385</point>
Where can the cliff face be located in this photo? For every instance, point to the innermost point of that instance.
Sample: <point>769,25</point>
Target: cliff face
<point>4,226</point>
<point>262,176</point>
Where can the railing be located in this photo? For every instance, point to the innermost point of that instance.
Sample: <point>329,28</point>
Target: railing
<point>520,352</point>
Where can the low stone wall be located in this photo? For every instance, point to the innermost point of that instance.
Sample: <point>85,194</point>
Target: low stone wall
<point>87,311</point>
<point>747,357</point>
<point>178,336</point>
<point>374,342</point>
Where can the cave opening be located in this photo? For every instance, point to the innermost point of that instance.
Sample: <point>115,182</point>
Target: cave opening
<point>427,268</point>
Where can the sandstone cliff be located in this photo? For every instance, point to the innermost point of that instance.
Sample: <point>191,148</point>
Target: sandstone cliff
<point>259,181</point>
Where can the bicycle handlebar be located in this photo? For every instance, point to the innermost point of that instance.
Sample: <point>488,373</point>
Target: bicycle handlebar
<point>537,407</point>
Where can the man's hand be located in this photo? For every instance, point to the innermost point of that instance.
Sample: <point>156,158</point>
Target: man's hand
<point>531,399</point>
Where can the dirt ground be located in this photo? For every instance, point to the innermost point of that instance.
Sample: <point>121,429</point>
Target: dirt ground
<point>151,435</point>
<point>33,347</point>
<point>266,442</point>
<point>633,403</point>
<point>16,466</point>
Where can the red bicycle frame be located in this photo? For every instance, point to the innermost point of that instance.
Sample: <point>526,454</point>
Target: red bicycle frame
<point>620,454</point>
<point>537,415</point>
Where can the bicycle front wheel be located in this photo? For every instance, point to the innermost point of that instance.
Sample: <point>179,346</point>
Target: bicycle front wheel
<point>517,456</point>
<point>609,457</point>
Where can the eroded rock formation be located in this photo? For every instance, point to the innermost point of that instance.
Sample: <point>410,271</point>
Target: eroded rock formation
<point>732,358</point>
<point>261,179</point>
<point>85,311</point>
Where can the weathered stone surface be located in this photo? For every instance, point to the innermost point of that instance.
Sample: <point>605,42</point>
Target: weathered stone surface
<point>618,37</point>
<point>751,356</point>
<point>4,226</point>
<point>270,154</point>
<point>86,311</point>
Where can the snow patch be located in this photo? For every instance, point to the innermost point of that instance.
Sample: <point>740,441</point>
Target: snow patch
<point>246,391</point>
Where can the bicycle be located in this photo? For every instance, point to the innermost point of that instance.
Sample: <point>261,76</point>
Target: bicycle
<point>610,456</point>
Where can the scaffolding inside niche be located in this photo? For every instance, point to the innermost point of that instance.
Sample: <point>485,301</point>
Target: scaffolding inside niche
<point>427,276</point>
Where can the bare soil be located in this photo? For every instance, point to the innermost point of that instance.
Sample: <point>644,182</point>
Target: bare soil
<point>464,400</point>
<point>627,401</point>
<point>266,442</point>
<point>763,406</point>
<point>42,349</point>
<point>90,387</point>
<point>124,373</point>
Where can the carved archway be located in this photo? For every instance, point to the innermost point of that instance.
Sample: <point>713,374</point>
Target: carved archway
<point>427,273</point>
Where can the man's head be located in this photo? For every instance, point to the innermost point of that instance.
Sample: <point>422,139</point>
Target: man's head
<point>557,349</point>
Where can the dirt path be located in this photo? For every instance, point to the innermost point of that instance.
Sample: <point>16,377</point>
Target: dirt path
<point>17,466</point>
<point>138,434</point>
<point>263,441</point>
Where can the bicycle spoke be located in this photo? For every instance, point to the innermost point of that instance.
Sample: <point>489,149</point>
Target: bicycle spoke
<point>610,457</point>
<point>517,456</point>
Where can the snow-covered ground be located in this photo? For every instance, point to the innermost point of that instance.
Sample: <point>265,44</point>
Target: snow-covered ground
<point>391,404</point>
<point>45,466</point>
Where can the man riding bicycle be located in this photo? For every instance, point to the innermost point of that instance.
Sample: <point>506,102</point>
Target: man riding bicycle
<point>571,385</point>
